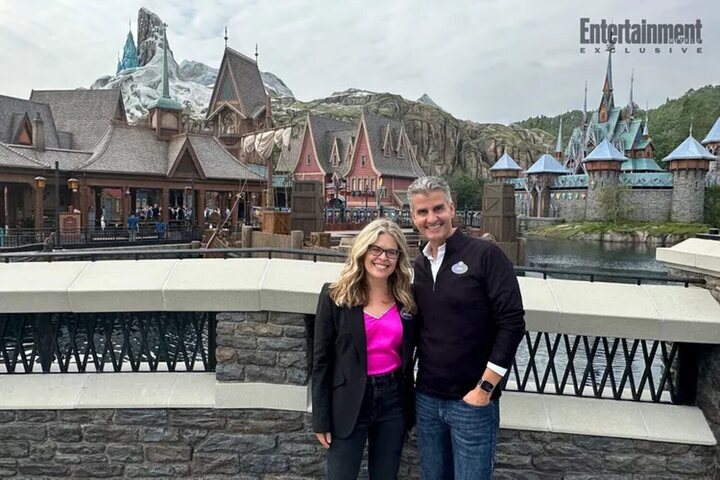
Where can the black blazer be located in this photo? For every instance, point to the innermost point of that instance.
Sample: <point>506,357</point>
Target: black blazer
<point>339,367</point>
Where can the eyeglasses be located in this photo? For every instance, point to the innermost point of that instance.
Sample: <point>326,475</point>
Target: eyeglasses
<point>390,253</point>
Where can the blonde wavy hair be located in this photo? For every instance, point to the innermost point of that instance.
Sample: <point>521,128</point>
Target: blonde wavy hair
<point>350,289</point>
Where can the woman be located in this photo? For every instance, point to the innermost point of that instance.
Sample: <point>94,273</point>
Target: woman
<point>362,378</point>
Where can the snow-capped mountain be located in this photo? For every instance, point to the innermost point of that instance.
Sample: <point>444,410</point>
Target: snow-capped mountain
<point>191,82</point>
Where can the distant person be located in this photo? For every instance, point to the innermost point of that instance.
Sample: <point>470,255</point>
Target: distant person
<point>362,373</point>
<point>160,229</point>
<point>471,320</point>
<point>132,226</point>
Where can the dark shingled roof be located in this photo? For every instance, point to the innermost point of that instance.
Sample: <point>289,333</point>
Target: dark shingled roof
<point>86,114</point>
<point>70,160</point>
<point>11,158</point>
<point>392,165</point>
<point>135,150</point>
<point>248,81</point>
<point>288,157</point>
<point>217,162</point>
<point>12,111</point>
<point>324,130</point>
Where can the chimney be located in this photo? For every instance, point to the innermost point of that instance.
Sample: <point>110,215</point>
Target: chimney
<point>38,127</point>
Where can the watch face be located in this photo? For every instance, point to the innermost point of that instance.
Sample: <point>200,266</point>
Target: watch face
<point>487,386</point>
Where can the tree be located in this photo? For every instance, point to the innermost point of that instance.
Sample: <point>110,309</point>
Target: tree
<point>613,202</point>
<point>468,191</point>
<point>712,206</point>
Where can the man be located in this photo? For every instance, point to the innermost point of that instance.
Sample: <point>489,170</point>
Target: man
<point>133,226</point>
<point>471,320</point>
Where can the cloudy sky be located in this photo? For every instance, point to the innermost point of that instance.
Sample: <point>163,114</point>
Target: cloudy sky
<point>484,60</point>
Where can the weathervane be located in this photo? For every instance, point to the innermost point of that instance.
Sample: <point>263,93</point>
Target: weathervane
<point>226,37</point>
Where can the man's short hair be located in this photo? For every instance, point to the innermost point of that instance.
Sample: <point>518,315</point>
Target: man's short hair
<point>426,185</point>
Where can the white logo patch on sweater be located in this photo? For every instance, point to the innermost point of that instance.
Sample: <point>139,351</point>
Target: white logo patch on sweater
<point>459,268</point>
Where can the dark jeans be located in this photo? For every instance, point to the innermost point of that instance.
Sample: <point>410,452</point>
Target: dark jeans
<point>382,424</point>
<point>456,440</point>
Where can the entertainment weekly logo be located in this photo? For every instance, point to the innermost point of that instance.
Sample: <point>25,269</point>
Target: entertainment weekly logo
<point>643,37</point>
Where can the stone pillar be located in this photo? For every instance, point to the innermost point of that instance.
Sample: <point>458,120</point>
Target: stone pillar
<point>688,195</point>
<point>268,347</point>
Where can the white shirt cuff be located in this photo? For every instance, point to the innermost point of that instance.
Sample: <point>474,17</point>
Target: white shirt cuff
<point>499,370</point>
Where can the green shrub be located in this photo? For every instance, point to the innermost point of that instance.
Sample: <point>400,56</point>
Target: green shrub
<point>712,206</point>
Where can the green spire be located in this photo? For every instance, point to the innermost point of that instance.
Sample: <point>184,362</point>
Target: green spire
<point>166,81</point>
<point>165,101</point>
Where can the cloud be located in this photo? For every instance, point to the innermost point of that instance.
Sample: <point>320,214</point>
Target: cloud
<point>489,61</point>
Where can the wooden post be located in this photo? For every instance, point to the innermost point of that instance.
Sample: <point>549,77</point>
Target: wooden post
<point>296,242</point>
<point>165,212</point>
<point>200,211</point>
<point>246,236</point>
<point>38,208</point>
<point>125,206</point>
<point>235,207</point>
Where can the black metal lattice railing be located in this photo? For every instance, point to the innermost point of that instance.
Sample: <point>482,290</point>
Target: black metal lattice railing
<point>604,367</point>
<point>97,342</point>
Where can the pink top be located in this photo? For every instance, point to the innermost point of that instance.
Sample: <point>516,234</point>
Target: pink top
<point>384,339</point>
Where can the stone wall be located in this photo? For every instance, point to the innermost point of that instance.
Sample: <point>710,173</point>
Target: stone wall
<point>270,444</point>
<point>708,395</point>
<point>572,210</point>
<point>649,205</point>
<point>268,347</point>
<point>596,181</point>
<point>688,196</point>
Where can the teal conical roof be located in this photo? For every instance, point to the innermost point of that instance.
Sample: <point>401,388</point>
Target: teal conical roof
<point>505,162</point>
<point>714,133</point>
<point>547,164</point>
<point>605,152</point>
<point>689,149</point>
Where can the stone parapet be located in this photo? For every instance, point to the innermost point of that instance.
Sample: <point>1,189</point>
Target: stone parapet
<point>265,444</point>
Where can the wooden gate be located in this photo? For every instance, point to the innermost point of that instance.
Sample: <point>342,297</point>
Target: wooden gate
<point>498,215</point>
<point>307,207</point>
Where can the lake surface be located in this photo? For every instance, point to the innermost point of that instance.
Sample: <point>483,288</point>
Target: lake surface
<point>596,256</point>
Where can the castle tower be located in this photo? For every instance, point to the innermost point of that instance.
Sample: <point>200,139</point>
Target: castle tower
<point>689,163</point>
<point>712,143</point>
<point>540,177</point>
<point>607,103</point>
<point>504,169</point>
<point>603,165</point>
<point>165,112</point>
<point>558,144</point>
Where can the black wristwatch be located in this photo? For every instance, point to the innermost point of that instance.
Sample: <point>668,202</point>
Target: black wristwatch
<point>486,386</point>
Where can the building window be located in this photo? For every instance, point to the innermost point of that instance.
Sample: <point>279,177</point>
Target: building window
<point>363,161</point>
<point>335,160</point>
<point>372,184</point>
<point>354,184</point>
<point>309,161</point>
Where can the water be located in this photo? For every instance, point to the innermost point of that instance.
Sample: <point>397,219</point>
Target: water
<point>598,257</point>
<point>595,256</point>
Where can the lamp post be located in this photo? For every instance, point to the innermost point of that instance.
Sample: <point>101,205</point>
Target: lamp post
<point>73,185</point>
<point>57,201</point>
<point>40,184</point>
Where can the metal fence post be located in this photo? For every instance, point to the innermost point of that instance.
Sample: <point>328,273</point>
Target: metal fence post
<point>687,374</point>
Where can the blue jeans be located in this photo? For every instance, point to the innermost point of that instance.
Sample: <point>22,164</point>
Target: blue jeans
<point>456,440</point>
<point>381,423</point>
